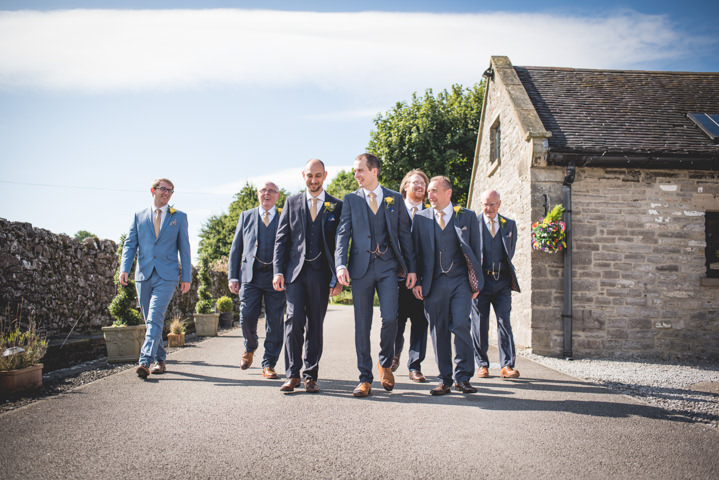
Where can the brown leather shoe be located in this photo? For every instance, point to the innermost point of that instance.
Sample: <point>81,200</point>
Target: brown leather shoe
<point>311,385</point>
<point>386,378</point>
<point>158,368</point>
<point>246,360</point>
<point>395,363</point>
<point>509,372</point>
<point>142,371</point>
<point>363,389</point>
<point>416,376</point>
<point>483,372</point>
<point>464,387</point>
<point>290,384</point>
<point>269,372</point>
<point>440,389</point>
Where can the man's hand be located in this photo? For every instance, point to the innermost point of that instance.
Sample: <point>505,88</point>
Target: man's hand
<point>278,282</point>
<point>411,280</point>
<point>418,292</point>
<point>343,277</point>
<point>336,290</point>
<point>123,279</point>
<point>184,287</point>
<point>475,295</point>
<point>234,287</point>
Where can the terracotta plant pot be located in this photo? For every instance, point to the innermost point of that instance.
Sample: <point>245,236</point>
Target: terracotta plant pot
<point>175,339</point>
<point>23,379</point>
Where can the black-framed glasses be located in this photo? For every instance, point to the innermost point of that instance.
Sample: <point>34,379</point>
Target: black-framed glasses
<point>165,189</point>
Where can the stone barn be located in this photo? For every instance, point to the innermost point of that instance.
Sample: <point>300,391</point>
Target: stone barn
<point>634,158</point>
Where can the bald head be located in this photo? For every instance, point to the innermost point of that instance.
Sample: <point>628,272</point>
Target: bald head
<point>314,175</point>
<point>490,203</point>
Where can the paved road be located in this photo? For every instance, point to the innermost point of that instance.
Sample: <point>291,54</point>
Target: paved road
<point>206,418</point>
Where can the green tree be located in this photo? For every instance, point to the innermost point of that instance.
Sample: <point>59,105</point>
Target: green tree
<point>122,308</point>
<point>342,184</point>
<point>219,230</point>
<point>83,234</point>
<point>435,133</point>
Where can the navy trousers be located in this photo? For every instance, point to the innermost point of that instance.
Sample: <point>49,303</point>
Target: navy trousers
<point>412,309</point>
<point>498,294</point>
<point>251,296</point>
<point>307,299</point>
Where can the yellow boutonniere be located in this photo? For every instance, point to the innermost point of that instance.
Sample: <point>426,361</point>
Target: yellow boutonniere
<point>329,206</point>
<point>426,205</point>
<point>279,209</point>
<point>502,221</point>
<point>389,201</point>
<point>457,208</point>
<point>171,210</point>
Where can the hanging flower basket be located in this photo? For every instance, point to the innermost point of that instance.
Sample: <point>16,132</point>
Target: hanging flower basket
<point>548,234</point>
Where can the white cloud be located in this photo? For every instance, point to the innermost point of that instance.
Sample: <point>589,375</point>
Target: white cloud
<point>366,52</point>
<point>289,178</point>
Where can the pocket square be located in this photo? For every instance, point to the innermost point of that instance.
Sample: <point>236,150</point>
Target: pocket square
<point>464,228</point>
<point>174,222</point>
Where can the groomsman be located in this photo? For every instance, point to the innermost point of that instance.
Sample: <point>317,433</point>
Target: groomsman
<point>380,251</point>
<point>499,237</point>
<point>250,266</point>
<point>413,189</point>
<point>304,268</point>
<point>157,235</point>
<point>448,251</point>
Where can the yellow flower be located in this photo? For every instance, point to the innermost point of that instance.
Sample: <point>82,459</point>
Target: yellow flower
<point>279,210</point>
<point>502,221</point>
<point>457,208</point>
<point>171,210</point>
<point>388,200</point>
<point>329,206</point>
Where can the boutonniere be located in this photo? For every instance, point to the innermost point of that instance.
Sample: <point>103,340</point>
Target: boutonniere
<point>388,201</point>
<point>502,221</point>
<point>426,205</point>
<point>457,210</point>
<point>279,210</point>
<point>329,206</point>
<point>171,210</point>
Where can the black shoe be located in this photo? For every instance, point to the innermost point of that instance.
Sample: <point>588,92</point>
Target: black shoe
<point>464,387</point>
<point>440,389</point>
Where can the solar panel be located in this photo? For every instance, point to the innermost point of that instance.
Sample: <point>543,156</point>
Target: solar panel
<point>708,122</point>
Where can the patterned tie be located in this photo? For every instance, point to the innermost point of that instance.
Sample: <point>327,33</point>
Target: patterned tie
<point>373,202</point>
<point>266,219</point>
<point>313,209</point>
<point>440,219</point>
<point>414,210</point>
<point>156,222</point>
<point>491,228</point>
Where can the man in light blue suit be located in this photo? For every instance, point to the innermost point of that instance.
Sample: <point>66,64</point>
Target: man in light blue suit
<point>380,252</point>
<point>446,240</point>
<point>250,277</point>
<point>157,235</point>
<point>498,241</point>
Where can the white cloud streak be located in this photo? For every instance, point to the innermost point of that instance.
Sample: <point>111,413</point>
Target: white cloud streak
<point>126,50</point>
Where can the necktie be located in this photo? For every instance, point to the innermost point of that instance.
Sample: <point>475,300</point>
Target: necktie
<point>266,219</point>
<point>491,228</point>
<point>414,210</point>
<point>440,219</point>
<point>156,223</point>
<point>313,209</point>
<point>373,202</point>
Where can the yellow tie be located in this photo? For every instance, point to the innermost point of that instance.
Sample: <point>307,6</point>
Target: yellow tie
<point>156,223</point>
<point>440,219</point>
<point>266,219</point>
<point>313,209</point>
<point>373,202</point>
<point>491,228</point>
<point>414,210</point>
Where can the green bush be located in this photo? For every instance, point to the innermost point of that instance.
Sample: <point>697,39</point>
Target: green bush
<point>204,306</point>
<point>20,348</point>
<point>122,307</point>
<point>225,304</point>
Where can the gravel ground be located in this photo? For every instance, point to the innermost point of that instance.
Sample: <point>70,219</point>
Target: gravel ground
<point>688,391</point>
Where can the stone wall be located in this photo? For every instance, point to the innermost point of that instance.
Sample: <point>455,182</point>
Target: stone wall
<point>67,285</point>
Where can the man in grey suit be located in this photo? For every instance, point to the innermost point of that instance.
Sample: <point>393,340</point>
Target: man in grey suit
<point>498,240</point>
<point>304,267</point>
<point>157,235</point>
<point>447,244</point>
<point>250,266</point>
<point>381,250</point>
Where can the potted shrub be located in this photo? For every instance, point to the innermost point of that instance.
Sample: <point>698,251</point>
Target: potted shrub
<point>124,338</point>
<point>205,320</point>
<point>225,305</point>
<point>176,336</point>
<point>20,353</point>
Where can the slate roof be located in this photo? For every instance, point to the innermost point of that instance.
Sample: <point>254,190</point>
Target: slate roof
<point>613,113</point>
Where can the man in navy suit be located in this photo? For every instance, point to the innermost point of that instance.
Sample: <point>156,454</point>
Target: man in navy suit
<point>381,250</point>
<point>414,190</point>
<point>304,267</point>
<point>250,265</point>
<point>499,237</point>
<point>447,243</point>
<point>157,235</point>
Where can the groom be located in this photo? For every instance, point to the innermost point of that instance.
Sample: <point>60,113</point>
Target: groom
<point>157,235</point>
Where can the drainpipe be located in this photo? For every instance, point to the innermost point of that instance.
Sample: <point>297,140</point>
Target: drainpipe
<point>567,304</point>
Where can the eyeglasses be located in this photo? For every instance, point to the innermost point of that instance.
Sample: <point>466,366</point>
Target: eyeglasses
<point>165,189</point>
<point>492,205</point>
<point>265,191</point>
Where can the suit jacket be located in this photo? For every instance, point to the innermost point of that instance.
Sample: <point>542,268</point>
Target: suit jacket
<point>291,239</point>
<point>354,224</point>
<point>158,253</point>
<point>467,229</point>
<point>508,231</point>
<point>244,246</point>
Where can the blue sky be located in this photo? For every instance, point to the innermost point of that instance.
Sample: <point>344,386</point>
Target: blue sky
<point>98,98</point>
